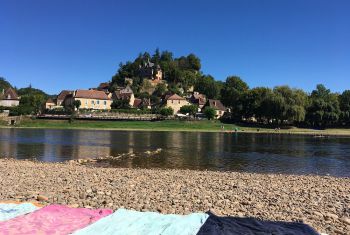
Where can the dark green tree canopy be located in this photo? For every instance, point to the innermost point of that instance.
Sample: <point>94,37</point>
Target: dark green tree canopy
<point>4,84</point>
<point>324,108</point>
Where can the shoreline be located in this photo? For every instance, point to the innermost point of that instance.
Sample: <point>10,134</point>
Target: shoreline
<point>314,133</point>
<point>320,201</point>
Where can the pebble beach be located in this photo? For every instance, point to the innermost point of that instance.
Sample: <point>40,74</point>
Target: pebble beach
<point>323,202</point>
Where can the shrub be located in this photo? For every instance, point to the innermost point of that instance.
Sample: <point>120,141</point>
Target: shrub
<point>209,113</point>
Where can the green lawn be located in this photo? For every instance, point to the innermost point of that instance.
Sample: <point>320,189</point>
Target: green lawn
<point>168,125</point>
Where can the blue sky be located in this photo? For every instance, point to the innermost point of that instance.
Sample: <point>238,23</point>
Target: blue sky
<point>70,44</point>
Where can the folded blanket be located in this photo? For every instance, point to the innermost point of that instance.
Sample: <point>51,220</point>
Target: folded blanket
<point>216,225</point>
<point>12,210</point>
<point>145,223</point>
<point>53,219</point>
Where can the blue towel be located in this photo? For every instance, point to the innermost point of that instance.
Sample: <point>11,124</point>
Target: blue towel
<point>11,210</point>
<point>145,223</point>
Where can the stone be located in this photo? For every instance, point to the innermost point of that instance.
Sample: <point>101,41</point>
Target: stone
<point>331,216</point>
<point>42,198</point>
<point>345,220</point>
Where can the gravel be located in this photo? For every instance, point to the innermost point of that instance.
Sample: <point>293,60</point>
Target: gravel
<point>320,201</point>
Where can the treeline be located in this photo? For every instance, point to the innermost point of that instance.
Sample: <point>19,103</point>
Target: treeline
<point>277,106</point>
<point>283,105</point>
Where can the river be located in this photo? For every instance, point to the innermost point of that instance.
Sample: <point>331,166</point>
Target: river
<point>262,153</point>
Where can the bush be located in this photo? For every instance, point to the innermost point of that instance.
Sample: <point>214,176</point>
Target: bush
<point>166,111</point>
<point>209,113</point>
<point>190,109</point>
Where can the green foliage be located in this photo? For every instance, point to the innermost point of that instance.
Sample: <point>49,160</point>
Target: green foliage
<point>233,93</point>
<point>324,109</point>
<point>120,104</point>
<point>160,90</point>
<point>209,113</point>
<point>77,104</point>
<point>166,111</point>
<point>344,105</point>
<point>182,71</point>
<point>189,109</point>
<point>4,84</point>
<point>208,86</point>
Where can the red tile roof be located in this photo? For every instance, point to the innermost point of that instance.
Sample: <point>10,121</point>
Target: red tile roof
<point>50,101</point>
<point>216,104</point>
<point>91,94</point>
<point>64,94</point>
<point>137,103</point>
<point>174,97</point>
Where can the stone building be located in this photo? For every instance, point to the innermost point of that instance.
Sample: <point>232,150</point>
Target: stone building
<point>9,98</point>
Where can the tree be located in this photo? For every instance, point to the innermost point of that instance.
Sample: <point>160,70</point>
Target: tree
<point>324,109</point>
<point>120,104</point>
<point>77,104</point>
<point>253,103</point>
<point>160,89</point>
<point>166,111</point>
<point>207,86</point>
<point>344,105</point>
<point>189,109</point>
<point>32,100</point>
<point>210,113</point>
<point>233,93</point>
<point>4,84</point>
<point>293,104</point>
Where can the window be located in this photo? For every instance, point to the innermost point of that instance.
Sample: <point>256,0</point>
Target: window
<point>179,101</point>
<point>98,102</point>
<point>92,102</point>
<point>105,102</point>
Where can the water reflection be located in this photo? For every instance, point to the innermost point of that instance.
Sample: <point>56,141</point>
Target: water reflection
<point>213,151</point>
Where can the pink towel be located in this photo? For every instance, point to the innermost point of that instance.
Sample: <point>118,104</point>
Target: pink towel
<point>53,219</point>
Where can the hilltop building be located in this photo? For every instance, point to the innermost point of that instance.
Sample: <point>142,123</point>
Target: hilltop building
<point>153,73</point>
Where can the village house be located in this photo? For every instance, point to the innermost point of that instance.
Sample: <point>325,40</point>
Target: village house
<point>90,99</point>
<point>62,97</point>
<point>198,99</point>
<point>9,98</point>
<point>175,102</point>
<point>50,104</point>
<point>219,108</point>
<point>142,103</point>
<point>124,94</point>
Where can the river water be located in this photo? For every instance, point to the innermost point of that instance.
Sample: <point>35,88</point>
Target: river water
<point>262,153</point>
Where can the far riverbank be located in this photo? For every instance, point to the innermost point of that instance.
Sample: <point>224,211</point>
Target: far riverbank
<point>320,201</point>
<point>170,125</point>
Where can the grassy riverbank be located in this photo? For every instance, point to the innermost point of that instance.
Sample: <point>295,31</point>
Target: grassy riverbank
<point>168,125</point>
